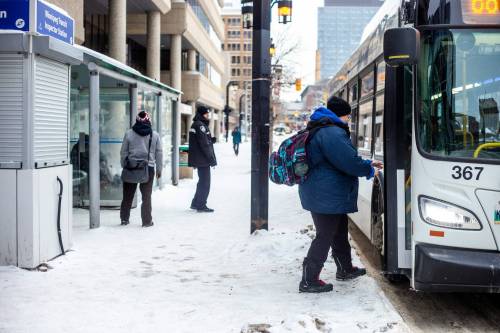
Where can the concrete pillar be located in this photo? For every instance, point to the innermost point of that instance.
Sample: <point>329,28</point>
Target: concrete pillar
<point>176,62</point>
<point>192,60</point>
<point>154,45</point>
<point>118,30</point>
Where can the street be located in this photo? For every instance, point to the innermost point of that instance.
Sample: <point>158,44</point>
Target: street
<point>433,312</point>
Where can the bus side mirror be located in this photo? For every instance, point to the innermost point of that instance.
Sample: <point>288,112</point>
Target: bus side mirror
<point>401,46</point>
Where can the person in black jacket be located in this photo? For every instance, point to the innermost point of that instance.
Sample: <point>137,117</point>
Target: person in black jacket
<point>202,157</point>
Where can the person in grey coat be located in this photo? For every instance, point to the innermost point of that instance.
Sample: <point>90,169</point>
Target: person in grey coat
<point>135,147</point>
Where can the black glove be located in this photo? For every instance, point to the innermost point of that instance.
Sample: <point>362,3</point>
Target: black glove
<point>214,140</point>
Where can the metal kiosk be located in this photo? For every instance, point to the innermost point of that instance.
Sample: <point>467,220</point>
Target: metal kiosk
<point>35,170</point>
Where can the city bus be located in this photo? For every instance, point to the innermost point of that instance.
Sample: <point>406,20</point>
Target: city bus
<point>424,86</point>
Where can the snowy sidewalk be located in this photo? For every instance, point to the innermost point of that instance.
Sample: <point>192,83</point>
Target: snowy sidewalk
<point>192,272</point>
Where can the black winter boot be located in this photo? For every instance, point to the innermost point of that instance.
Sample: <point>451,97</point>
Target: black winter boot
<point>355,272</point>
<point>310,278</point>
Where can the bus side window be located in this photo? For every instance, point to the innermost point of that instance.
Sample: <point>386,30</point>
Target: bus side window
<point>365,128</point>
<point>379,125</point>
<point>354,122</point>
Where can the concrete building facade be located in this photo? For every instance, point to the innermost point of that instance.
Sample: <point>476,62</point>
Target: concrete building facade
<point>174,41</point>
<point>340,26</point>
<point>238,49</point>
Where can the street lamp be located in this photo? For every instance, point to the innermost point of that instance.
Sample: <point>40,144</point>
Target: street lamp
<point>272,49</point>
<point>227,109</point>
<point>247,13</point>
<point>241,110</point>
<point>285,11</point>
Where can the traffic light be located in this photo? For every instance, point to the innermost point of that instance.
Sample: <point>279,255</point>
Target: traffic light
<point>298,84</point>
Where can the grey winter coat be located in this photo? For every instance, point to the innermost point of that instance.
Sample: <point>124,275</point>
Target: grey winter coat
<point>135,147</point>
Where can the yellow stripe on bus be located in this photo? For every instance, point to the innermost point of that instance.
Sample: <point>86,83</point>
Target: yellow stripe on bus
<point>402,56</point>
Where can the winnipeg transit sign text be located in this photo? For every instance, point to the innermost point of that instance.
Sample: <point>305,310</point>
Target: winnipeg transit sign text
<point>47,19</point>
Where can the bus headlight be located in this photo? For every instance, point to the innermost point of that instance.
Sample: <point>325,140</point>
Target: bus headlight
<point>446,215</point>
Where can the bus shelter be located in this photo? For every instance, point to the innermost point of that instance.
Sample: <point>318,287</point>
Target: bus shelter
<point>106,96</point>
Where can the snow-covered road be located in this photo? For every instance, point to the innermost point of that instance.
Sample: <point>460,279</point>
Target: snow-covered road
<point>192,272</point>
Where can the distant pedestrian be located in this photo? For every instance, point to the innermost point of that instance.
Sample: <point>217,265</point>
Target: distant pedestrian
<point>201,157</point>
<point>331,192</point>
<point>236,140</point>
<point>141,151</point>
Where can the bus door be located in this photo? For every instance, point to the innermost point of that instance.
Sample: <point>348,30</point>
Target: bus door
<point>397,170</point>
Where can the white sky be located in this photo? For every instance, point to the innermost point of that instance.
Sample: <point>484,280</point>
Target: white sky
<point>304,29</point>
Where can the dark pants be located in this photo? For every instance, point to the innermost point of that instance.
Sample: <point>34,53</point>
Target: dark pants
<point>331,231</point>
<point>128,196</point>
<point>202,189</point>
<point>236,147</point>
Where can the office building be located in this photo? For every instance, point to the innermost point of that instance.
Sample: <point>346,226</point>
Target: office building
<point>238,49</point>
<point>340,26</point>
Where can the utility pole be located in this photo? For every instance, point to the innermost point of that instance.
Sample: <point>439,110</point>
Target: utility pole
<point>227,109</point>
<point>261,88</point>
<point>241,110</point>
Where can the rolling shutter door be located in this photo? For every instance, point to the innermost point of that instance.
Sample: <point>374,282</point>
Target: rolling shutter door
<point>51,103</point>
<point>11,110</point>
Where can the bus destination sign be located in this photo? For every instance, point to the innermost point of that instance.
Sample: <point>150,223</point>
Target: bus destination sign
<point>481,11</point>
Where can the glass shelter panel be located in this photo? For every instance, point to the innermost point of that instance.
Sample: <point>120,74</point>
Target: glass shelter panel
<point>166,137</point>
<point>148,101</point>
<point>79,144</point>
<point>114,122</point>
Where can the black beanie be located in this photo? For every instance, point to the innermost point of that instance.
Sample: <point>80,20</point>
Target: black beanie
<point>202,110</point>
<point>338,106</point>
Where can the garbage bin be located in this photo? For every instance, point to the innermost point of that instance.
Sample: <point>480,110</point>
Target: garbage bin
<point>184,170</point>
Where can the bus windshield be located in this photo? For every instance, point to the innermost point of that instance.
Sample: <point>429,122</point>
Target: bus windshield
<point>459,87</point>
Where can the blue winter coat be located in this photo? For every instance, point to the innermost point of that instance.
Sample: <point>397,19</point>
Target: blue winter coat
<point>332,184</point>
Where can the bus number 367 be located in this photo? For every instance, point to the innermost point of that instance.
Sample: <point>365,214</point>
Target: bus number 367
<point>467,172</point>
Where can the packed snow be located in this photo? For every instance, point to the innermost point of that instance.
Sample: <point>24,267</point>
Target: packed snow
<point>192,272</point>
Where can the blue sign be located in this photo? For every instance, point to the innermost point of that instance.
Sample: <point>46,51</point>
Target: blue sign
<point>52,22</point>
<point>14,15</point>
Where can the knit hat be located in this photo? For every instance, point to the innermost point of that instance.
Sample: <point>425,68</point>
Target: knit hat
<point>338,106</point>
<point>143,117</point>
<point>202,110</point>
